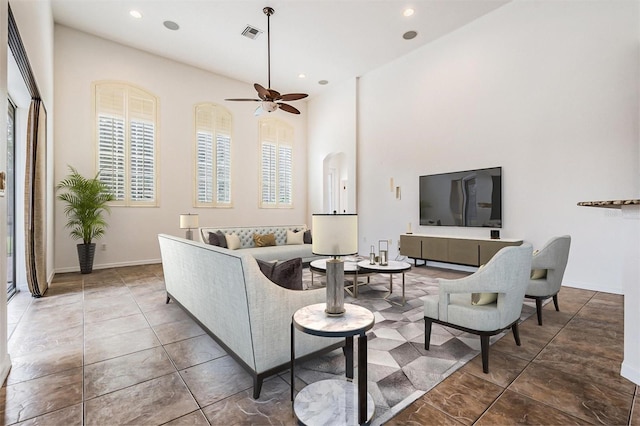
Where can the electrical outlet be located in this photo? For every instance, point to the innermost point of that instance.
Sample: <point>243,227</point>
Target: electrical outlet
<point>103,247</point>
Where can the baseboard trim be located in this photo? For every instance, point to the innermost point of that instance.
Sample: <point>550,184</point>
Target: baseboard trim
<point>592,287</point>
<point>631,372</point>
<point>109,265</point>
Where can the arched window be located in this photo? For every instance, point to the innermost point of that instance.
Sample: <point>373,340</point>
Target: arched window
<point>276,173</point>
<point>213,156</point>
<point>126,139</point>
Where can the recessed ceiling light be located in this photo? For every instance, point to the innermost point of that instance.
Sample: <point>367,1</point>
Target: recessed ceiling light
<point>409,35</point>
<point>323,82</point>
<point>408,12</point>
<point>135,13</point>
<point>302,75</point>
<point>170,25</point>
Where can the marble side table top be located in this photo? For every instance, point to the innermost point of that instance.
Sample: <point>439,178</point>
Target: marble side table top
<point>313,320</point>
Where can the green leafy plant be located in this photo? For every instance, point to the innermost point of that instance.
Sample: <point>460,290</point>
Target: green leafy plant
<point>86,202</point>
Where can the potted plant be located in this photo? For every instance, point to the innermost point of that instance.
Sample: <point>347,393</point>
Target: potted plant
<point>86,203</point>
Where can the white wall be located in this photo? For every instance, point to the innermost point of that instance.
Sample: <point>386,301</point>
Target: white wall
<point>132,234</point>
<point>332,117</point>
<point>548,91</point>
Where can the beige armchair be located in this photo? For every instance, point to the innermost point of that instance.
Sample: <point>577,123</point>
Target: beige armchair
<point>547,270</point>
<point>507,275</point>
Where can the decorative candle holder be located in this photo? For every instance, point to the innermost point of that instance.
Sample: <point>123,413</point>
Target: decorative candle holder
<point>372,256</point>
<point>384,253</point>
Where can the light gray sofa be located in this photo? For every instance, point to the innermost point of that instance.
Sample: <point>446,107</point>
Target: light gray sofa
<point>248,315</point>
<point>281,251</point>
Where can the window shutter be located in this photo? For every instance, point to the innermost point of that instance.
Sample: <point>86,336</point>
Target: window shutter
<point>126,142</point>
<point>213,160</point>
<point>276,138</point>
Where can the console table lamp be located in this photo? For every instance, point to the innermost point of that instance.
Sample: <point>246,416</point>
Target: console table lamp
<point>188,221</point>
<point>335,235</point>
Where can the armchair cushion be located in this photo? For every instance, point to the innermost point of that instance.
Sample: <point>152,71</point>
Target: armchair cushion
<point>483,298</point>
<point>537,274</point>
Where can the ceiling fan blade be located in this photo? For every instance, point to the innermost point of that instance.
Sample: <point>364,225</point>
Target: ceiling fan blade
<point>288,108</point>
<point>244,99</point>
<point>262,92</point>
<point>274,95</point>
<point>293,96</point>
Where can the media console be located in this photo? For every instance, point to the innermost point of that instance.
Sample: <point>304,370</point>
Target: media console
<point>459,250</point>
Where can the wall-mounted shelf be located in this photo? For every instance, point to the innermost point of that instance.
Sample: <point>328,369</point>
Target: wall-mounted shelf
<point>613,204</point>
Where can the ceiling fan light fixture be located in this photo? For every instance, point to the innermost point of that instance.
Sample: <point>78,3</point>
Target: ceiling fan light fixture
<point>269,106</point>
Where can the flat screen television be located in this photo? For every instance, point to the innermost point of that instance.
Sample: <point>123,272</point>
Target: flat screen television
<point>468,198</point>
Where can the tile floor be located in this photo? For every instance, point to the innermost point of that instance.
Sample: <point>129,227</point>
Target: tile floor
<point>107,350</point>
<point>565,372</point>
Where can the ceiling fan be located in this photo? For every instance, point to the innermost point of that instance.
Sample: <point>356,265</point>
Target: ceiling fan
<point>269,98</point>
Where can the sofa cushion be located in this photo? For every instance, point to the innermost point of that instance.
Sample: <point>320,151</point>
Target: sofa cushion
<point>264,240</point>
<point>295,238</point>
<point>288,274</point>
<point>218,239</point>
<point>266,267</point>
<point>307,237</point>
<point>233,241</point>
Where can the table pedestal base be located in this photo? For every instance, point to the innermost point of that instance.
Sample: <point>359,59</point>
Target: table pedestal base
<point>330,402</point>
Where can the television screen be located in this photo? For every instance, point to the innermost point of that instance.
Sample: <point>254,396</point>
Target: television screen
<point>468,198</point>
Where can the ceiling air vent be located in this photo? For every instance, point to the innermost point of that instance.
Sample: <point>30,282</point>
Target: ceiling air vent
<point>251,32</point>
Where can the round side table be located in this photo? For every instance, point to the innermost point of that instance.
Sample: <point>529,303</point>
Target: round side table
<point>334,401</point>
<point>393,267</point>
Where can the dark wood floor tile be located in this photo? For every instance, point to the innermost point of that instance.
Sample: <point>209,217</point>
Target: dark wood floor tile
<point>463,396</point>
<point>552,323</point>
<point>422,413</point>
<point>616,299</point>
<point>603,371</point>
<point>531,343</point>
<point>602,314</point>
<point>578,294</point>
<point>599,341</point>
<point>503,368</point>
<point>575,395</point>
<point>512,408</point>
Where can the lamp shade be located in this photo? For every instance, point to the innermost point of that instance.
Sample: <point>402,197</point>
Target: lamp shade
<point>188,221</point>
<point>334,234</point>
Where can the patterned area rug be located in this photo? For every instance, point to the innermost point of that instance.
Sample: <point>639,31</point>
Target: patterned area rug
<point>400,370</point>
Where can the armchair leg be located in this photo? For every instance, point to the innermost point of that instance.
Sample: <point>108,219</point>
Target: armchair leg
<point>484,346</point>
<point>555,302</point>
<point>539,309</point>
<point>516,332</point>
<point>427,332</point>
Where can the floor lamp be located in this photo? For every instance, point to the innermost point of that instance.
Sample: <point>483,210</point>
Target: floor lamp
<point>335,235</point>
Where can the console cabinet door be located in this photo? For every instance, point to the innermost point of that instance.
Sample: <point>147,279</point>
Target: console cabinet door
<point>488,249</point>
<point>411,246</point>
<point>435,249</point>
<point>464,252</point>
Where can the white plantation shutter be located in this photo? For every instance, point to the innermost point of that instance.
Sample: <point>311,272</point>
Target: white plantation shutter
<point>213,160</point>
<point>276,185</point>
<point>126,139</point>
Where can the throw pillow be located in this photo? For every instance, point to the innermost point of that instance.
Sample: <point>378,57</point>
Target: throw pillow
<point>266,267</point>
<point>537,274</point>
<point>483,298</point>
<point>295,238</point>
<point>222,239</point>
<point>288,274</point>
<point>307,237</point>
<point>214,240</point>
<point>264,240</point>
<point>233,241</point>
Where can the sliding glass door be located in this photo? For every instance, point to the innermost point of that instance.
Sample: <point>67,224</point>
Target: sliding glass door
<point>11,204</point>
